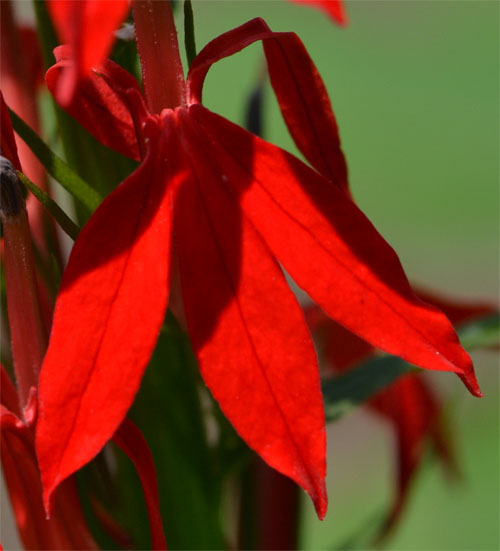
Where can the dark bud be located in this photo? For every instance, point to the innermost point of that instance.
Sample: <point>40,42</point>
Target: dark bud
<point>11,196</point>
<point>253,122</point>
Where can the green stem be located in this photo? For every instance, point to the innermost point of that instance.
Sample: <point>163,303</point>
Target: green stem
<point>162,71</point>
<point>67,225</point>
<point>56,167</point>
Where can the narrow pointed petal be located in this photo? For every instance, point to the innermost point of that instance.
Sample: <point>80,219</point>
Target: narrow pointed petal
<point>102,103</point>
<point>414,412</point>
<point>107,318</point>
<point>298,86</point>
<point>87,26</point>
<point>333,8</point>
<point>131,441</point>
<point>332,250</point>
<point>305,106</point>
<point>247,329</point>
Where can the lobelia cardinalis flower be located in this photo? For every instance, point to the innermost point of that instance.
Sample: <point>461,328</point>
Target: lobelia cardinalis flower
<point>66,528</point>
<point>410,404</point>
<point>226,207</point>
<point>87,27</point>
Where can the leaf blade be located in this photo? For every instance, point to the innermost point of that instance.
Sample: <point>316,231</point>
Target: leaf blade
<point>56,167</point>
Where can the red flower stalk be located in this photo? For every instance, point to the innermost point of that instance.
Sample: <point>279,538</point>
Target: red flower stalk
<point>235,205</point>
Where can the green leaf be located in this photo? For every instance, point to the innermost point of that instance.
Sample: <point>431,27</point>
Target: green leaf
<point>56,167</point>
<point>344,392</point>
<point>67,225</point>
<point>167,409</point>
<point>189,40</point>
<point>481,333</point>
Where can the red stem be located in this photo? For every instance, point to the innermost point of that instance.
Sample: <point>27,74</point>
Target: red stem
<point>162,71</point>
<point>28,335</point>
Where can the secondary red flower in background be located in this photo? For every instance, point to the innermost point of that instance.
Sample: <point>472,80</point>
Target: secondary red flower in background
<point>409,404</point>
<point>333,8</point>
<point>87,27</point>
<point>236,205</point>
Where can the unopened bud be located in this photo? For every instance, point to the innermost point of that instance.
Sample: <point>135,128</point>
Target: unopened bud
<point>11,196</point>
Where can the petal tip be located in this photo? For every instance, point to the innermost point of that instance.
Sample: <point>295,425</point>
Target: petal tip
<point>470,381</point>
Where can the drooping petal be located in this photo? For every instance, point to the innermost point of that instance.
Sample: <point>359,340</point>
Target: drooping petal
<point>131,441</point>
<point>415,413</point>
<point>332,250</point>
<point>107,318</point>
<point>87,27</point>
<point>409,404</point>
<point>102,102</point>
<point>333,8</point>
<point>246,327</point>
<point>299,89</point>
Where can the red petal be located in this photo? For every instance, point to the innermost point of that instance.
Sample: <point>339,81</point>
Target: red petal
<point>457,311</point>
<point>8,393</point>
<point>8,146</point>
<point>130,439</point>
<point>102,103</point>
<point>342,348</point>
<point>305,106</point>
<point>333,8</point>
<point>87,26</point>
<point>332,250</point>
<point>415,413</point>
<point>246,327</point>
<point>300,91</point>
<point>107,318</point>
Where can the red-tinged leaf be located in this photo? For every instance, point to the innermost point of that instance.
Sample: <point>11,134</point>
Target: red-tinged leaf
<point>107,318</point>
<point>8,146</point>
<point>131,441</point>
<point>87,27</point>
<point>332,250</point>
<point>333,8</point>
<point>256,357</point>
<point>102,103</point>
<point>300,91</point>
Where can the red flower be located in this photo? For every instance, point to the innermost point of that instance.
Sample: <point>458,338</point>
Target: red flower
<point>87,26</point>
<point>66,528</point>
<point>333,8</point>
<point>409,404</point>
<point>233,206</point>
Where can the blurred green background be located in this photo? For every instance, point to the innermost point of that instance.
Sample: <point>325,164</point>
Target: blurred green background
<point>414,86</point>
